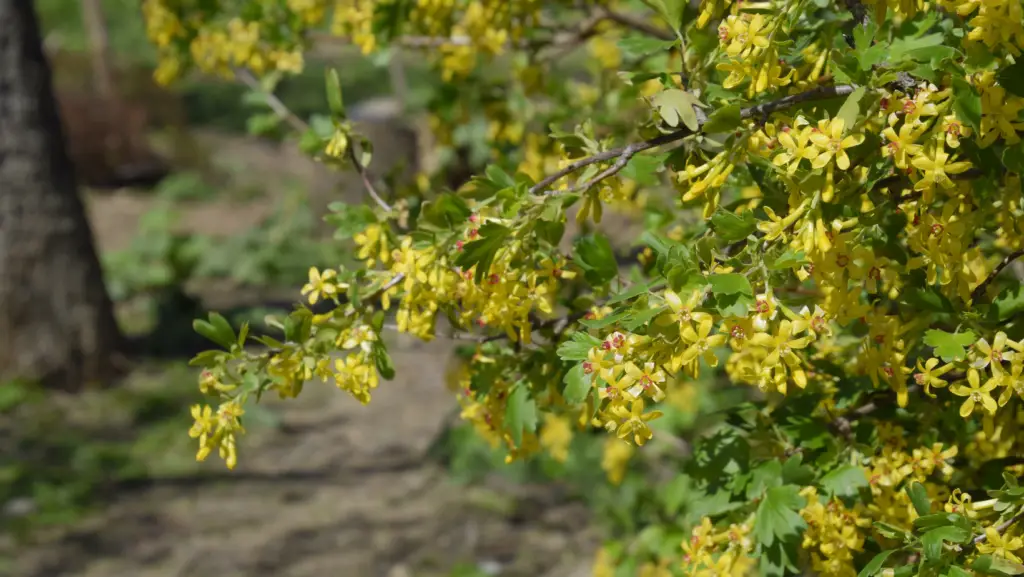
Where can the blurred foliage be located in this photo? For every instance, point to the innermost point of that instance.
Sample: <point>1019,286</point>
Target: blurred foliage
<point>61,21</point>
<point>277,252</point>
<point>61,455</point>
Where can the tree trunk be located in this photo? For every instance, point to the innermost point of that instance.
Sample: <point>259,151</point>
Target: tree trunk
<point>56,320</point>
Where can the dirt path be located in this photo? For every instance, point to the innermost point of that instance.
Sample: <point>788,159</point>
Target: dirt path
<point>340,489</point>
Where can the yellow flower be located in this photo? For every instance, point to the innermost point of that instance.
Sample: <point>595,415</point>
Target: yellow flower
<point>634,422</point>
<point>975,393</point>
<point>646,379</point>
<point>936,168</point>
<point>829,139</point>
<point>902,145</point>
<point>993,355</point>
<point>1000,545</point>
<point>929,376</point>
<point>796,147</point>
<point>321,285</point>
<point>700,343</point>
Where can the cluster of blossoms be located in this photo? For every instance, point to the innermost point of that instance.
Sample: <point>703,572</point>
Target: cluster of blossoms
<point>841,205</point>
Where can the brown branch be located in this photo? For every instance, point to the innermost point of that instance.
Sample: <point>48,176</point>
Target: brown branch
<point>366,179</point>
<point>819,93</point>
<point>979,291</point>
<point>637,24</point>
<point>623,154</point>
<point>1002,527</point>
<point>842,424</point>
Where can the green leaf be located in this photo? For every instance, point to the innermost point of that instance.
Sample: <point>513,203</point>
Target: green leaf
<point>993,565</point>
<point>844,481</point>
<point>310,142</point>
<point>382,360</point>
<point>446,211</point>
<point>206,359</point>
<point>851,108</point>
<point>868,54</point>
<point>334,99</point>
<point>642,318</point>
<point>788,260</point>
<point>642,45</point>
<point>764,476</point>
<point>349,220</point>
<point>605,321</point>
<point>593,253</point>
<point>1013,157</point>
<point>891,531</point>
<point>674,494</point>
<point>967,103</point>
<point>732,227</point>
<point>520,413</point>
<point>723,120</point>
<point>778,515</point>
<point>919,497</point>
<point>635,291</point>
<point>795,472</point>
<point>1012,78</point>
<point>675,106</point>
<point>576,348</point>
<point>927,522</point>
<point>577,385</point>
<point>956,571</point>
<point>261,124</point>
<point>481,253</point>
<point>500,177</point>
<point>670,10</point>
<point>949,346</point>
<point>643,169</point>
<point>731,283</point>
<point>931,541</point>
<point>875,564</point>
<point>901,47</point>
<point>734,305</point>
<point>216,329</point>
<point>1009,302</point>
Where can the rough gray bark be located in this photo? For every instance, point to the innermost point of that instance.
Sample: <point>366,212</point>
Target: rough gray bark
<point>56,319</point>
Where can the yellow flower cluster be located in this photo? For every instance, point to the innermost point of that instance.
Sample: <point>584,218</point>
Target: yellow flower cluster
<point>833,534</point>
<point>747,40</point>
<point>998,24</point>
<point>217,430</point>
<point>710,552</point>
<point>504,300</point>
<point>894,468</point>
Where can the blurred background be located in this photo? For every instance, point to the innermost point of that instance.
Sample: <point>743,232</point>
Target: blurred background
<point>199,204</point>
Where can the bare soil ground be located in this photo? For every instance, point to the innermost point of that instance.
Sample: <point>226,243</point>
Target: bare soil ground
<point>338,489</point>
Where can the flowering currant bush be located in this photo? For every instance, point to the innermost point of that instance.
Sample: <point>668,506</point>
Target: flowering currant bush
<point>831,198</point>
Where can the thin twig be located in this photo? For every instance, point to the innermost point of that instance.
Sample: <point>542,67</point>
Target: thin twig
<point>979,290</point>
<point>637,24</point>
<point>300,125</point>
<point>623,154</point>
<point>1000,528</point>
<point>273,101</point>
<point>366,180</point>
<point>819,93</point>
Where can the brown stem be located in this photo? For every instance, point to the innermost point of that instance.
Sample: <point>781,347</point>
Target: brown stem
<point>622,154</point>
<point>637,24</point>
<point>979,291</point>
<point>1000,528</point>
